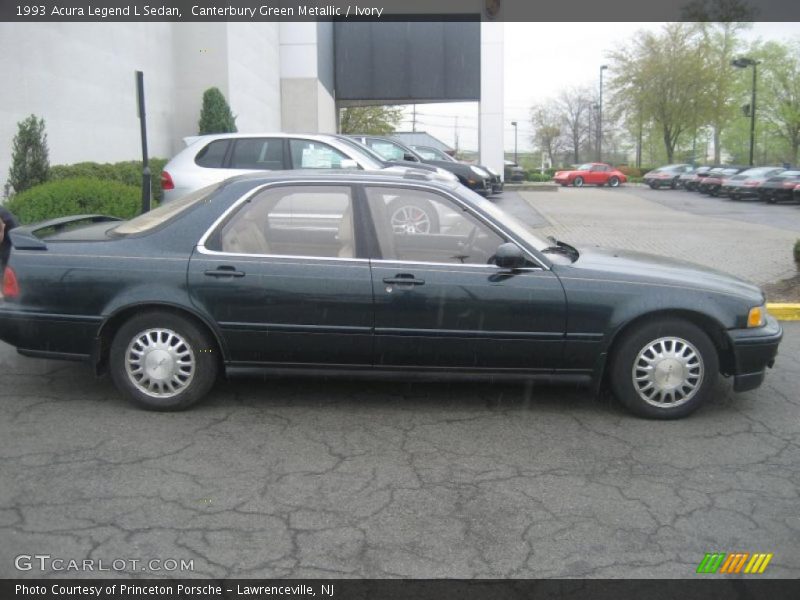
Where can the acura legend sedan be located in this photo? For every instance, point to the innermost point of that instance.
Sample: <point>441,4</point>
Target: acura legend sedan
<point>308,272</point>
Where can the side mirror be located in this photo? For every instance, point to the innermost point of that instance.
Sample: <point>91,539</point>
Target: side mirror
<point>509,256</point>
<point>410,157</point>
<point>348,164</point>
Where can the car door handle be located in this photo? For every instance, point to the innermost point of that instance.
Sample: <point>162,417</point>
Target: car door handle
<point>224,271</point>
<point>403,279</point>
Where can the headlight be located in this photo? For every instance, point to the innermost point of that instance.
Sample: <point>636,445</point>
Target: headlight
<point>446,174</point>
<point>478,171</point>
<point>757,317</point>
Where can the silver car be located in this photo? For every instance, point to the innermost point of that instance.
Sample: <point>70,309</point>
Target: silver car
<point>209,159</point>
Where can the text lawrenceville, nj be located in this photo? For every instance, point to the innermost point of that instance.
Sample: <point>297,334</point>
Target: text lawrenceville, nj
<point>252,12</point>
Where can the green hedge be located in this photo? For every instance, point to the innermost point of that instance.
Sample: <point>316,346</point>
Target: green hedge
<point>82,195</point>
<point>537,176</point>
<point>128,172</point>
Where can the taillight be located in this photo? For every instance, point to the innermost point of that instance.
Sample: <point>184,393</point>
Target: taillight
<point>166,181</point>
<point>10,285</point>
<point>752,183</point>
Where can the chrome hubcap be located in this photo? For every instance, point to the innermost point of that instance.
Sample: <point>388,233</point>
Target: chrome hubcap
<point>667,372</point>
<point>160,363</point>
<point>410,219</point>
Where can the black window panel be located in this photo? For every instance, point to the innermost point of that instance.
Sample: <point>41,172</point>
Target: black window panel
<point>263,154</point>
<point>213,155</point>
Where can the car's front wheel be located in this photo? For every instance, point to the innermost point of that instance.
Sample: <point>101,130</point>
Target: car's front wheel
<point>163,361</point>
<point>613,181</point>
<point>578,181</point>
<point>664,369</point>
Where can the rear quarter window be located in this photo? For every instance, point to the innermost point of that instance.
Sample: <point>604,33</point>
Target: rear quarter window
<point>213,155</point>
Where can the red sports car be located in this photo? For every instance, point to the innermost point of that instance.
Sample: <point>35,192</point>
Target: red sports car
<point>592,174</point>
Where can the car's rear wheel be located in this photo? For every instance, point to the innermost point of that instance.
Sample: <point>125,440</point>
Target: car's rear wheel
<point>578,181</point>
<point>410,215</point>
<point>769,198</point>
<point>733,196</point>
<point>653,186</point>
<point>613,181</point>
<point>664,369</point>
<point>674,184</point>
<point>162,361</point>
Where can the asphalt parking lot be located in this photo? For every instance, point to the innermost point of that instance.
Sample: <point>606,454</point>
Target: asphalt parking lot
<point>328,478</point>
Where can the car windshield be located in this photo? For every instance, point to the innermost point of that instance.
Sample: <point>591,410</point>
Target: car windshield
<point>586,167</point>
<point>507,221</point>
<point>152,219</point>
<point>363,149</point>
<point>433,153</point>
<point>357,153</point>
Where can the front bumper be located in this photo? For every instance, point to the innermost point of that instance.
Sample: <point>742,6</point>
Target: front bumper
<point>753,351</point>
<point>740,191</point>
<point>497,185</point>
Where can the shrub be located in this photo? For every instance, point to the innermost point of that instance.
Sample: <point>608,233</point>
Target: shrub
<point>77,196</point>
<point>30,164</point>
<point>128,172</point>
<point>631,171</point>
<point>215,116</point>
<point>537,176</point>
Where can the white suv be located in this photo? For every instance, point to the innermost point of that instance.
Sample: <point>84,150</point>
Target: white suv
<point>208,159</point>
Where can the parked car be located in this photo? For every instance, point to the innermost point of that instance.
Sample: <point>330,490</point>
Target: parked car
<point>746,183</point>
<point>796,193</point>
<point>305,272</point>
<point>211,158</point>
<point>476,177</point>
<point>690,181</point>
<point>666,176</point>
<point>591,174</point>
<point>712,183</point>
<point>513,172</point>
<point>779,187</point>
<point>431,153</point>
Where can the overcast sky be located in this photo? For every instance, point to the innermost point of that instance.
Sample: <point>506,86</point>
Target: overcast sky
<point>540,60</point>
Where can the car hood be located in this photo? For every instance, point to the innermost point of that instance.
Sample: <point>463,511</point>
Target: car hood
<point>638,266</point>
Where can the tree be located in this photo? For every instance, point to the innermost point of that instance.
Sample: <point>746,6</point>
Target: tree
<point>375,120</point>
<point>546,121</point>
<point>216,115</point>
<point>779,97</point>
<point>661,76</point>
<point>30,164</point>
<point>575,106</point>
<point>720,43</point>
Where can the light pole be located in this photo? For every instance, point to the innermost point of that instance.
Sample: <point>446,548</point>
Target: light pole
<point>743,63</point>
<point>514,124</point>
<point>600,118</point>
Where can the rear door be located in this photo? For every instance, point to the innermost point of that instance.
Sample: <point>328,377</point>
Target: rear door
<point>283,277</point>
<point>442,303</point>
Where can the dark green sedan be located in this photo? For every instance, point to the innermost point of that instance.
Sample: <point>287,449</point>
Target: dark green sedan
<point>316,273</point>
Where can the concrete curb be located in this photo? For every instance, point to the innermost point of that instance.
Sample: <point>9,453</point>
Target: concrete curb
<point>531,187</point>
<point>784,312</point>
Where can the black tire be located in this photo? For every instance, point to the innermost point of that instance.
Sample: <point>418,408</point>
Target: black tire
<point>713,192</point>
<point>674,184</point>
<point>613,181</point>
<point>626,355</point>
<point>411,205</point>
<point>733,196</point>
<point>770,199</point>
<point>653,186</point>
<point>578,181</point>
<point>200,345</point>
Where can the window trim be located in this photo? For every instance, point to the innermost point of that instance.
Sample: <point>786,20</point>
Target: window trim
<point>358,198</point>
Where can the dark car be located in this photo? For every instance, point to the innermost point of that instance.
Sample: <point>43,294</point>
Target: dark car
<point>306,272</point>
<point>746,183</point>
<point>474,177</point>
<point>779,187</point>
<point>691,180</point>
<point>431,153</point>
<point>513,172</point>
<point>712,183</point>
<point>666,176</point>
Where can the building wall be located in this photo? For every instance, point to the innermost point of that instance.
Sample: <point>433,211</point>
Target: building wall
<point>80,78</point>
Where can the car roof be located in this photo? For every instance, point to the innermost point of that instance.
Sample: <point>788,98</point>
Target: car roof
<point>405,177</point>
<point>193,139</point>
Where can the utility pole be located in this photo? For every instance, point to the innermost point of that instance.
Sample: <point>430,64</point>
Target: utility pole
<point>514,124</point>
<point>146,176</point>
<point>413,117</point>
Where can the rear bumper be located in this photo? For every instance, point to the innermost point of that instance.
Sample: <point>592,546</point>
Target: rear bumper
<point>754,350</point>
<point>48,335</point>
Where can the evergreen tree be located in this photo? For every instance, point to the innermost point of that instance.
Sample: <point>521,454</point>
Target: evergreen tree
<point>216,115</point>
<point>30,164</point>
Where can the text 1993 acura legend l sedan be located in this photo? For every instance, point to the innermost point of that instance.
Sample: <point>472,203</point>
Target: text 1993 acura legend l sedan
<point>310,273</point>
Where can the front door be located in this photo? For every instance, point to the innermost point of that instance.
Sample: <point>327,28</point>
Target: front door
<point>283,279</point>
<point>442,303</point>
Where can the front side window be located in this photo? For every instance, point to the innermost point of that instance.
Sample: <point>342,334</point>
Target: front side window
<point>307,154</point>
<point>586,167</point>
<point>418,226</point>
<point>263,154</point>
<point>314,221</point>
<point>600,168</point>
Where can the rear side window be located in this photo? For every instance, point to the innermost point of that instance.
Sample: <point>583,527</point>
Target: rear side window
<point>212,155</point>
<point>263,154</point>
